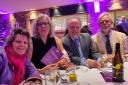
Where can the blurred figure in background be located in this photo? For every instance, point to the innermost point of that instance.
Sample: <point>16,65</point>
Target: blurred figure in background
<point>123,25</point>
<point>106,39</point>
<point>14,63</point>
<point>85,29</point>
<point>79,45</point>
<point>66,32</point>
<point>42,40</point>
<point>120,29</point>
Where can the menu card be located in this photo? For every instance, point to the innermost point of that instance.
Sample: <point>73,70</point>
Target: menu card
<point>52,56</point>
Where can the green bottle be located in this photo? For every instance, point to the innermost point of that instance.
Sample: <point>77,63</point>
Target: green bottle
<point>118,70</point>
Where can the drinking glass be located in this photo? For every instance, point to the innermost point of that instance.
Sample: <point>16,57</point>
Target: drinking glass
<point>64,77</point>
<point>51,77</point>
<point>104,60</point>
<point>72,76</point>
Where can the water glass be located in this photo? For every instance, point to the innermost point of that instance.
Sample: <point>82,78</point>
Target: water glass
<point>51,77</point>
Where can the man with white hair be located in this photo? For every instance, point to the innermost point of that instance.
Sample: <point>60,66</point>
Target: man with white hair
<point>79,45</point>
<point>106,39</point>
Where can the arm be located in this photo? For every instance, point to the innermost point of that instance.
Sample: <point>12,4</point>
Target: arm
<point>73,57</point>
<point>59,44</point>
<point>30,69</point>
<point>30,49</point>
<point>48,67</point>
<point>1,65</point>
<point>5,75</point>
<point>60,47</point>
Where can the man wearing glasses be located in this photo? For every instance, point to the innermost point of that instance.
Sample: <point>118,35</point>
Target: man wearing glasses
<point>106,39</point>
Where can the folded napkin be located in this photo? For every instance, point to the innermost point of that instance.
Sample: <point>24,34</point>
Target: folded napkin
<point>107,76</point>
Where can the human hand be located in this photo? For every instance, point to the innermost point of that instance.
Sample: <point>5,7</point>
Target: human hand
<point>52,66</point>
<point>93,63</point>
<point>63,63</point>
<point>48,67</point>
<point>110,57</point>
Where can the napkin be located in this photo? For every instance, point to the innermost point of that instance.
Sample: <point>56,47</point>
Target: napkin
<point>107,76</point>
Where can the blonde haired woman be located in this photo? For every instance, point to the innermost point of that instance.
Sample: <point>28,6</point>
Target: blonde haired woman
<point>42,40</point>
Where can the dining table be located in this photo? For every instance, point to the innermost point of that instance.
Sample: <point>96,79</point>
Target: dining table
<point>93,76</point>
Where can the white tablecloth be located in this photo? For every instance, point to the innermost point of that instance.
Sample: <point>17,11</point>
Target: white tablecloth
<point>86,76</point>
<point>93,77</point>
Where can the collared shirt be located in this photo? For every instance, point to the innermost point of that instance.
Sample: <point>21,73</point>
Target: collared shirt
<point>82,57</point>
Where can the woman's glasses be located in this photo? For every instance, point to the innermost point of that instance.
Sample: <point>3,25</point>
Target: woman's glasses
<point>42,23</point>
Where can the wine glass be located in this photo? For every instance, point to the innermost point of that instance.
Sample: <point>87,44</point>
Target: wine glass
<point>104,60</point>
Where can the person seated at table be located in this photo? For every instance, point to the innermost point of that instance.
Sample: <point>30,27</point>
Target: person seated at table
<point>106,39</point>
<point>85,29</point>
<point>79,45</point>
<point>42,40</point>
<point>15,66</point>
<point>123,25</point>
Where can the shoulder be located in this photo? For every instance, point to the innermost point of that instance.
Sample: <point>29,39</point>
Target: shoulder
<point>57,39</point>
<point>2,54</point>
<point>85,36</point>
<point>97,34</point>
<point>94,37</point>
<point>118,33</point>
<point>64,38</point>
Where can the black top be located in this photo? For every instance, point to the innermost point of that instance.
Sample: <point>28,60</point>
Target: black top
<point>40,49</point>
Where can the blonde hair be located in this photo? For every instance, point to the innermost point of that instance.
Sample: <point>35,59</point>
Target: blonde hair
<point>104,14</point>
<point>35,22</point>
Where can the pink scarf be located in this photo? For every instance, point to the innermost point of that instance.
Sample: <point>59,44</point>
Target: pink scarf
<point>18,63</point>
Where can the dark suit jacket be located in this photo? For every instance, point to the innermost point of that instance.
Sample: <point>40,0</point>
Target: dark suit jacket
<point>86,46</point>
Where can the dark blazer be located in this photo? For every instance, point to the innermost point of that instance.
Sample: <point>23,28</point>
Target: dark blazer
<point>86,46</point>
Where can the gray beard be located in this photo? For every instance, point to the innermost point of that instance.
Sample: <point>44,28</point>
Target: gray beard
<point>106,31</point>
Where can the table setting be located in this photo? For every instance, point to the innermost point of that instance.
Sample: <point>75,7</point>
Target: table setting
<point>87,76</point>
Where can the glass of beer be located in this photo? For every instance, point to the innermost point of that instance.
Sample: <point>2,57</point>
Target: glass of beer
<point>73,77</point>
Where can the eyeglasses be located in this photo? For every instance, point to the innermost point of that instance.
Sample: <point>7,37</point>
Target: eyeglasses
<point>104,21</point>
<point>42,23</point>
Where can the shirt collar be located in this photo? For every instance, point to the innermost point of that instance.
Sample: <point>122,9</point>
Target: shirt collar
<point>105,34</point>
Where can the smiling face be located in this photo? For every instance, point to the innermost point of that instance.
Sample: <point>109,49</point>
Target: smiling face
<point>105,23</point>
<point>74,27</point>
<point>20,44</point>
<point>43,26</point>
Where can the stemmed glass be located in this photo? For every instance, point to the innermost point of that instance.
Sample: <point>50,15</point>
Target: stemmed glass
<point>107,63</point>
